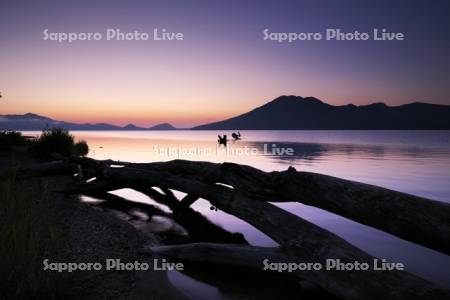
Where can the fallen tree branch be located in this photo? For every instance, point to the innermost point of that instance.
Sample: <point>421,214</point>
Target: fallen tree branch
<point>297,237</point>
<point>416,219</point>
<point>198,226</point>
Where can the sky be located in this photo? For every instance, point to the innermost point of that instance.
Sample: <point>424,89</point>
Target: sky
<point>223,66</point>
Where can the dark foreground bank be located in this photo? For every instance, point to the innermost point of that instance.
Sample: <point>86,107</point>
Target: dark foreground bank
<point>38,223</point>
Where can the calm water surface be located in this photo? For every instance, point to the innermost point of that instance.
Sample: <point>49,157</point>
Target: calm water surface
<point>415,162</point>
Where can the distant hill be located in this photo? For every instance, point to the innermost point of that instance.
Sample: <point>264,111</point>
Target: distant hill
<point>163,126</point>
<point>294,112</point>
<point>132,127</point>
<point>32,121</point>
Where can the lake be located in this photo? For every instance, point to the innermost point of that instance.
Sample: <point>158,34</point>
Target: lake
<point>415,162</point>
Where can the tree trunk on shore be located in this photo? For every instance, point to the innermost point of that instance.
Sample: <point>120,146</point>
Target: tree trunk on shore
<point>297,237</point>
<point>416,219</point>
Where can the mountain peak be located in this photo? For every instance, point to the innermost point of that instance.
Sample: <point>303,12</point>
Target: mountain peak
<point>287,97</point>
<point>130,126</point>
<point>293,98</point>
<point>377,105</point>
<point>31,115</point>
<point>304,113</point>
<point>27,117</point>
<point>34,116</point>
<point>162,126</point>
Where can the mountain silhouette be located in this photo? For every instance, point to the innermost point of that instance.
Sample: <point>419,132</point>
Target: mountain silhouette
<point>295,113</point>
<point>32,121</point>
<point>282,113</point>
<point>163,126</point>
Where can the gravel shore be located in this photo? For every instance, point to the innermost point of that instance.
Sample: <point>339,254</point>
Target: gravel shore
<point>90,234</point>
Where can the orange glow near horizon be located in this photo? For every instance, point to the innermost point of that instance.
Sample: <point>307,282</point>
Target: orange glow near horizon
<point>147,84</point>
<point>141,115</point>
<point>222,68</point>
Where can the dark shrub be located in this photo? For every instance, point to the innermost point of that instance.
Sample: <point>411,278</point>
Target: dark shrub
<point>53,140</point>
<point>81,148</point>
<point>9,139</point>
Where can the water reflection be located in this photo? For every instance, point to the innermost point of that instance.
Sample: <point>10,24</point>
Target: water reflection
<point>307,153</point>
<point>205,282</point>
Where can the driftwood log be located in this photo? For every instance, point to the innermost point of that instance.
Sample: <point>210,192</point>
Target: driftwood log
<point>416,219</point>
<point>297,237</point>
<point>245,192</point>
<point>198,226</point>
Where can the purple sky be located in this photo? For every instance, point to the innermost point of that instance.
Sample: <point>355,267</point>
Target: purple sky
<point>223,66</point>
